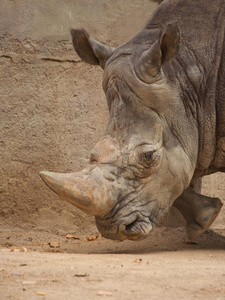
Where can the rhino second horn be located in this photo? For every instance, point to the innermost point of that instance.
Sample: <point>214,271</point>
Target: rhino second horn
<point>80,190</point>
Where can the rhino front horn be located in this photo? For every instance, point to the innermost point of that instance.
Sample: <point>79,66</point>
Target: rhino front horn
<point>84,191</point>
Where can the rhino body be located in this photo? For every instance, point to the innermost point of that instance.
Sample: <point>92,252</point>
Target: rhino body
<point>165,91</point>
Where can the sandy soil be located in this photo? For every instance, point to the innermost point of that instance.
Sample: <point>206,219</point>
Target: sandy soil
<point>40,265</point>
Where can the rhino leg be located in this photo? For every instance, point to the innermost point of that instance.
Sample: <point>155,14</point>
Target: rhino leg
<point>199,211</point>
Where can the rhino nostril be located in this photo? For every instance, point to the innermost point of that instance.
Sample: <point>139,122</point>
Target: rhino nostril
<point>130,226</point>
<point>139,228</point>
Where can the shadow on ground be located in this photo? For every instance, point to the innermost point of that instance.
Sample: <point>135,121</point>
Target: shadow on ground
<point>160,240</point>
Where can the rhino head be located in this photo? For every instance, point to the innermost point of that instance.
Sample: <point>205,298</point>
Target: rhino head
<point>148,154</point>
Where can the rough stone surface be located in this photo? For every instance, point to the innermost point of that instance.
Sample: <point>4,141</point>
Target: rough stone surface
<point>52,105</point>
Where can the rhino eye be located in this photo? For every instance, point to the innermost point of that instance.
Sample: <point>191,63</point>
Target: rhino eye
<point>147,156</point>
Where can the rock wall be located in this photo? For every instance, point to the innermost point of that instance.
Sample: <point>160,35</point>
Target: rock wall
<point>52,106</point>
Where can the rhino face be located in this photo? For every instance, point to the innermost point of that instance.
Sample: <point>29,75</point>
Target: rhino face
<point>142,164</point>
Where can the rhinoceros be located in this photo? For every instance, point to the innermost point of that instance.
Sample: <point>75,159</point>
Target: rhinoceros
<point>165,90</point>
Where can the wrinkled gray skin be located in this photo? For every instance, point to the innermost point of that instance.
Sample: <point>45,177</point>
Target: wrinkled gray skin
<point>166,96</point>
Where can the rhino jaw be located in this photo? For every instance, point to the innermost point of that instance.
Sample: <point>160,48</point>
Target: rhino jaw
<point>86,192</point>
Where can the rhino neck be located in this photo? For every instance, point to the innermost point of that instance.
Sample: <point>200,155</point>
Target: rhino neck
<point>198,94</point>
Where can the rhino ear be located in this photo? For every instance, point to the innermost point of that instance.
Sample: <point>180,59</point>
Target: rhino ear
<point>169,42</point>
<point>90,50</point>
<point>162,51</point>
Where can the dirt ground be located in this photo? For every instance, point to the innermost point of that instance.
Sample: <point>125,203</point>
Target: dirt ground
<point>40,265</point>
